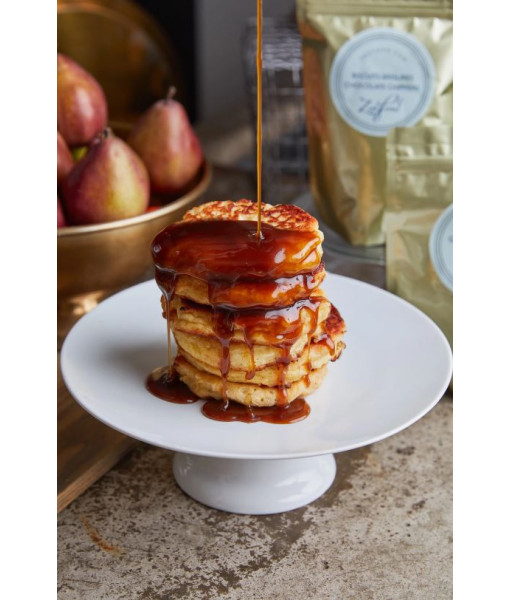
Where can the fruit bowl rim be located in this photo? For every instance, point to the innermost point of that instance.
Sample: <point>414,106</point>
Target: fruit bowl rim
<point>197,190</point>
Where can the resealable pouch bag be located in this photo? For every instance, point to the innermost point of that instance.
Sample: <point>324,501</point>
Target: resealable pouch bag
<point>418,221</point>
<point>369,67</point>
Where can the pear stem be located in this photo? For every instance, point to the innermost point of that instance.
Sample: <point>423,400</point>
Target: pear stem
<point>172,90</point>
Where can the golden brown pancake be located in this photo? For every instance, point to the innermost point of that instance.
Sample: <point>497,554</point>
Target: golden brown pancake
<point>282,216</point>
<point>301,318</point>
<point>205,385</point>
<point>248,294</point>
<point>317,356</point>
<point>248,358</point>
<point>295,274</point>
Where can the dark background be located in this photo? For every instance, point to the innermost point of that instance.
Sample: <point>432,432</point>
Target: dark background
<point>178,21</point>
<point>207,37</point>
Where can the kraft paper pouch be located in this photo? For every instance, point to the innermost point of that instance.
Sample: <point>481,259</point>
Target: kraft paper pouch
<point>418,222</point>
<point>368,67</point>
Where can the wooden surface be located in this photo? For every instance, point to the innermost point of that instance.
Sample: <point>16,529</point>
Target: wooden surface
<point>86,449</point>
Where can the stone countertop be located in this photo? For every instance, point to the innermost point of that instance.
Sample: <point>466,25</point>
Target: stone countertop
<point>382,531</point>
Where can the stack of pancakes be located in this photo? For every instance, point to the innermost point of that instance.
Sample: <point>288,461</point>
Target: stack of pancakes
<point>259,342</point>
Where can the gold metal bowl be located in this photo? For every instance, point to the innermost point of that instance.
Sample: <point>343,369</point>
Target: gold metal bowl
<point>94,261</point>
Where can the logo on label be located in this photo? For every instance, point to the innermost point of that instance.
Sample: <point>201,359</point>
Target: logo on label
<point>380,79</point>
<point>441,247</point>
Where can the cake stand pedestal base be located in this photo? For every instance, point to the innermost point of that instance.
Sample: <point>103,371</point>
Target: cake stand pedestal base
<point>254,487</point>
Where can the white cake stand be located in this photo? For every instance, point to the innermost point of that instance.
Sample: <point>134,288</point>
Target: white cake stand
<point>395,368</point>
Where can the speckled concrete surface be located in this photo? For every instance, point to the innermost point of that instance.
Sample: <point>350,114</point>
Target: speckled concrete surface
<point>382,531</point>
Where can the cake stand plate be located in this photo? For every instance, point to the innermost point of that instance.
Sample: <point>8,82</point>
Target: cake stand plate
<point>396,366</point>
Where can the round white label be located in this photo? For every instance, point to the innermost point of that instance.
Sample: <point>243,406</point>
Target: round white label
<point>380,79</point>
<point>441,247</point>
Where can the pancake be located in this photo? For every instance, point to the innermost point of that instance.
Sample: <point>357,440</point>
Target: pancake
<point>317,356</point>
<point>225,265</point>
<point>205,385</point>
<point>282,216</point>
<point>248,358</point>
<point>250,294</point>
<point>260,327</point>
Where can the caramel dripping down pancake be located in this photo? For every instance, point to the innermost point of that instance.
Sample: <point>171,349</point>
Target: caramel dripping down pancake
<point>251,358</point>
<point>266,326</point>
<point>250,320</point>
<point>325,346</point>
<point>247,294</point>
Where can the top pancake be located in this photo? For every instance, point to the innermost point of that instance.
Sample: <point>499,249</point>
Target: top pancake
<point>213,256</point>
<point>249,294</point>
<point>281,216</point>
<point>267,327</point>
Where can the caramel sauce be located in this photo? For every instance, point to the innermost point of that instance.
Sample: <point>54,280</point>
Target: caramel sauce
<point>224,329</point>
<point>278,325</point>
<point>280,328</point>
<point>334,320</point>
<point>240,271</point>
<point>247,340</point>
<point>165,384</point>
<point>167,300</point>
<point>295,411</point>
<point>265,293</point>
<point>247,294</point>
<point>228,251</point>
<point>259,117</point>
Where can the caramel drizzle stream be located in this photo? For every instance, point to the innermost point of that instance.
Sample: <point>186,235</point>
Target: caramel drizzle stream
<point>168,300</point>
<point>259,117</point>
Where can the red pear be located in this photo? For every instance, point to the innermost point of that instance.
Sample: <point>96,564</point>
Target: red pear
<point>109,183</point>
<point>65,161</point>
<point>61,220</point>
<point>167,144</point>
<point>81,104</point>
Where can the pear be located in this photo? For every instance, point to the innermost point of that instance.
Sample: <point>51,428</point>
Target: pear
<point>81,104</point>
<point>167,144</point>
<point>65,161</point>
<point>61,220</point>
<point>109,183</point>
